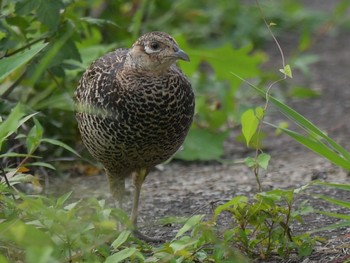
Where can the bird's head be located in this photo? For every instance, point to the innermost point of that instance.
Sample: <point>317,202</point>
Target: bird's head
<point>155,52</point>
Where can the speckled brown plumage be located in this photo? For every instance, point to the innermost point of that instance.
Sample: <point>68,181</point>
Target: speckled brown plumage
<point>134,109</point>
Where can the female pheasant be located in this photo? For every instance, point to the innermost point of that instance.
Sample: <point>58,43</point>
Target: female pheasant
<point>134,108</point>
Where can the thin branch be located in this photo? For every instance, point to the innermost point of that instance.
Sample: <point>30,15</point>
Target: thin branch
<point>25,47</point>
<point>6,180</point>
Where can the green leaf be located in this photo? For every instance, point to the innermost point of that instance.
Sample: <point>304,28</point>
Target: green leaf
<point>42,164</point>
<point>224,60</point>
<point>34,136</point>
<point>3,259</point>
<point>23,235</point>
<point>10,64</point>
<point>250,161</point>
<point>335,215</point>
<point>334,152</point>
<point>13,122</point>
<point>190,223</point>
<point>342,203</point>
<point>122,237</point>
<point>287,71</point>
<point>202,145</point>
<point>250,124</point>
<point>263,160</point>
<point>39,254</point>
<point>27,6</point>
<point>121,255</point>
<point>48,13</point>
<point>233,203</point>
<point>345,187</point>
<point>62,199</point>
<point>61,144</point>
<point>319,148</point>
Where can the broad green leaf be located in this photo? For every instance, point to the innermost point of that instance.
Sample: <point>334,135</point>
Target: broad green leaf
<point>27,6</point>
<point>23,235</point>
<point>190,223</point>
<point>48,13</point>
<point>3,259</point>
<point>61,144</point>
<point>202,144</point>
<point>122,237</point>
<point>250,161</point>
<point>53,49</point>
<point>235,202</point>
<point>179,246</point>
<point>250,124</point>
<point>121,255</point>
<point>263,160</point>
<point>10,64</point>
<point>39,254</point>
<point>223,59</point>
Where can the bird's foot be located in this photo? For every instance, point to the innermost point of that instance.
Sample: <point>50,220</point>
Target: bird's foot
<point>146,238</point>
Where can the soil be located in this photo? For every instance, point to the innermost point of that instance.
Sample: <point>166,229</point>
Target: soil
<point>182,189</point>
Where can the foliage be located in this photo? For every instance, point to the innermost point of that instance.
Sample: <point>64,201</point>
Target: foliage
<point>53,230</point>
<point>344,218</point>
<point>45,46</point>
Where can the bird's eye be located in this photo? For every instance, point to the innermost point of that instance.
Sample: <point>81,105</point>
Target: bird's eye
<point>154,45</point>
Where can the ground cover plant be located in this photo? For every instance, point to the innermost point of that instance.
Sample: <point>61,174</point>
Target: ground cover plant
<point>42,57</point>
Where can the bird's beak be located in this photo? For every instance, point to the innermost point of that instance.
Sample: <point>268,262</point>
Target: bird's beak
<point>180,54</point>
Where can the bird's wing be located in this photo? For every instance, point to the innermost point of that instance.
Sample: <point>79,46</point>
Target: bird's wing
<point>98,88</point>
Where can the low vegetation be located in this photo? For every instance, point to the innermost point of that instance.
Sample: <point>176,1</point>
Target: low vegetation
<point>46,45</point>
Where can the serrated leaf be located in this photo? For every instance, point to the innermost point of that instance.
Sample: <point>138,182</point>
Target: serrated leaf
<point>10,64</point>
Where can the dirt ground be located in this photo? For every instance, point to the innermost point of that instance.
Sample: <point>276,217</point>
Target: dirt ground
<point>184,188</point>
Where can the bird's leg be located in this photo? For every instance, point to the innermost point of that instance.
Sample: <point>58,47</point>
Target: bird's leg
<point>117,188</point>
<point>138,178</point>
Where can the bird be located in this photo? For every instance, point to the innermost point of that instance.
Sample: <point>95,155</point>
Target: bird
<point>134,108</point>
